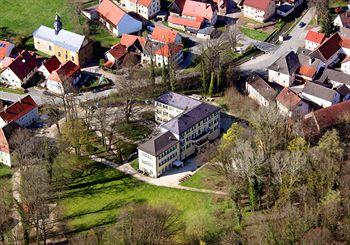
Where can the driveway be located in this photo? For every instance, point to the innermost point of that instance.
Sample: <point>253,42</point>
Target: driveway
<point>261,63</point>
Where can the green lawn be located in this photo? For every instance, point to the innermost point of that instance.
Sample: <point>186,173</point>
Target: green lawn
<point>12,90</point>
<point>5,172</point>
<point>205,178</point>
<point>135,163</point>
<point>96,198</point>
<point>22,18</point>
<point>133,130</point>
<point>254,34</point>
<point>337,3</point>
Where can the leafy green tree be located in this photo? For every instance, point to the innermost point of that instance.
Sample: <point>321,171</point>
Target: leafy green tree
<point>327,25</point>
<point>204,77</point>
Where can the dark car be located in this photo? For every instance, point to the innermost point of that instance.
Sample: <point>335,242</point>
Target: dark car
<point>302,24</point>
<point>96,90</point>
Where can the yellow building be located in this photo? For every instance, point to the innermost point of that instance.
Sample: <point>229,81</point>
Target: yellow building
<point>65,45</point>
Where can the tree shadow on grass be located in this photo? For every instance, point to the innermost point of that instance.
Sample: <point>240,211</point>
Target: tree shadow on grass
<point>99,222</point>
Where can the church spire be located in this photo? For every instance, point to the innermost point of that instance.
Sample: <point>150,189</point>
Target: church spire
<point>57,24</point>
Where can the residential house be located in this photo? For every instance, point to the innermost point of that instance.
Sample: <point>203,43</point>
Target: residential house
<point>318,121</point>
<point>335,78</point>
<point>320,95</point>
<point>342,20</point>
<point>165,35</point>
<point>344,92</point>
<point>313,40</point>
<point>190,15</point>
<point>259,10</point>
<point>169,53</point>
<point>5,50</point>
<point>133,43</point>
<point>286,7</point>
<point>260,91</point>
<point>309,67</point>
<point>6,149</point>
<point>49,66</point>
<point>20,70</point>
<point>24,112</point>
<point>162,54</point>
<point>65,45</point>
<point>115,55</point>
<point>146,8</point>
<point>170,105</point>
<point>64,79</point>
<point>290,104</point>
<point>182,136</point>
<point>116,20</point>
<point>283,70</point>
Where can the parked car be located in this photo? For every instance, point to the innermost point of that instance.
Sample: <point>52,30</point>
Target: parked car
<point>302,24</point>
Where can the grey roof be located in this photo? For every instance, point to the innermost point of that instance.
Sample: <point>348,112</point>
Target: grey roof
<point>319,91</point>
<point>186,120</point>
<point>206,31</point>
<point>66,39</point>
<point>333,75</point>
<point>178,100</point>
<point>262,87</point>
<point>303,51</point>
<point>286,64</point>
<point>159,143</point>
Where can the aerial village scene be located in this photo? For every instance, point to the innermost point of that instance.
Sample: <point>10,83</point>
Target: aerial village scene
<point>174,122</point>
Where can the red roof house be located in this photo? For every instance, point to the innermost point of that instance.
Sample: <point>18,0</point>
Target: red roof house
<point>24,112</point>
<point>5,49</point>
<point>165,35</point>
<point>259,10</point>
<point>49,66</point>
<point>116,20</point>
<point>200,10</point>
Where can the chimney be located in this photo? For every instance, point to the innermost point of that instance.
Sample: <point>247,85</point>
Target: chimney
<point>19,99</point>
<point>5,108</point>
<point>311,60</point>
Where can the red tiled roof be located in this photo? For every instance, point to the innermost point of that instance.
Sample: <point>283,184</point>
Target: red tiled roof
<point>167,51</point>
<point>345,42</point>
<point>109,64</point>
<point>258,4</point>
<point>23,64</point>
<point>198,9</point>
<point>18,109</point>
<point>328,48</point>
<point>315,122</point>
<point>193,23</point>
<point>5,49</point>
<point>64,72</point>
<point>52,64</point>
<point>111,12</point>
<point>145,3</point>
<point>315,37</point>
<point>118,51</point>
<point>307,71</point>
<point>128,40</point>
<point>164,35</point>
<point>288,98</point>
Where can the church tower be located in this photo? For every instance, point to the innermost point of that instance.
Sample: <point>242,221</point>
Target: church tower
<point>57,24</point>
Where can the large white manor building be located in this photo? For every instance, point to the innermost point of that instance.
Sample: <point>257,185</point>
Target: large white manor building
<point>187,125</point>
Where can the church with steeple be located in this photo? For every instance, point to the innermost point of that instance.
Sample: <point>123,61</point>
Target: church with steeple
<point>63,44</point>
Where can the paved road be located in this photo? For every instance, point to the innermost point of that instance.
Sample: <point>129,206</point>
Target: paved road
<point>261,63</point>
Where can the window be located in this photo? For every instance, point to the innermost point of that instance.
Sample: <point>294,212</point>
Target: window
<point>50,48</point>
<point>66,56</point>
<point>59,54</point>
<point>72,58</point>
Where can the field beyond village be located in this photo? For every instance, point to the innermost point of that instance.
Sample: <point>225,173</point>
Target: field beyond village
<point>20,18</point>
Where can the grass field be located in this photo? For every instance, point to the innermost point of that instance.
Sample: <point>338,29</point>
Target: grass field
<point>22,17</point>
<point>205,178</point>
<point>337,3</point>
<point>254,34</point>
<point>5,172</point>
<point>96,198</point>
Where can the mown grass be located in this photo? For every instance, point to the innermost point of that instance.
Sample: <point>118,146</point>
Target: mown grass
<point>97,197</point>
<point>254,34</point>
<point>5,173</point>
<point>205,178</point>
<point>133,130</point>
<point>22,18</point>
